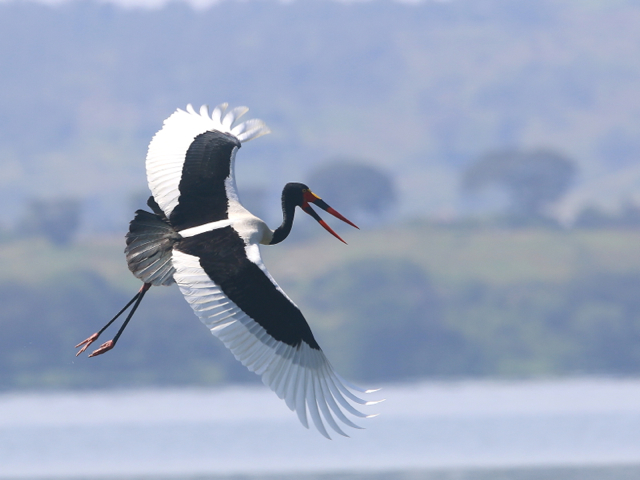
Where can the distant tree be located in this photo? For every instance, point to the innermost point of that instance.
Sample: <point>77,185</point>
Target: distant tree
<point>592,217</point>
<point>357,189</point>
<point>5,233</point>
<point>390,321</point>
<point>56,219</point>
<point>533,179</point>
<point>603,321</point>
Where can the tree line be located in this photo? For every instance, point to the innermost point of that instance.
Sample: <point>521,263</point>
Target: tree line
<point>531,180</point>
<point>379,319</point>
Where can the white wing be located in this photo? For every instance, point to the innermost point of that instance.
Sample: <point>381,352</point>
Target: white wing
<point>167,150</point>
<point>301,375</point>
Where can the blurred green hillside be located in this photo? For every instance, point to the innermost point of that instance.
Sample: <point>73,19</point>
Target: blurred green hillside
<point>413,301</point>
<point>421,91</point>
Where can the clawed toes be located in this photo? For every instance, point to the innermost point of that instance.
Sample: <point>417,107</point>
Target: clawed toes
<point>105,347</point>
<point>86,343</point>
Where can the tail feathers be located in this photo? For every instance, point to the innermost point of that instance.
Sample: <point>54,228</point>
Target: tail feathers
<point>155,208</point>
<point>149,247</point>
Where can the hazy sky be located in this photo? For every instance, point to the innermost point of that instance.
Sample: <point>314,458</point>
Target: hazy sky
<point>419,90</point>
<point>198,4</point>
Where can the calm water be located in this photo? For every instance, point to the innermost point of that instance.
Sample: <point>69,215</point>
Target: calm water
<point>463,430</point>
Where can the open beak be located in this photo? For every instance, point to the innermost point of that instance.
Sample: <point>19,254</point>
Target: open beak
<point>310,197</point>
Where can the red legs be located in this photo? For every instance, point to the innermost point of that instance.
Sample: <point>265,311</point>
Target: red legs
<point>106,346</point>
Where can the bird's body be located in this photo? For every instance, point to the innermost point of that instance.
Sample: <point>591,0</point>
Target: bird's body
<point>202,238</point>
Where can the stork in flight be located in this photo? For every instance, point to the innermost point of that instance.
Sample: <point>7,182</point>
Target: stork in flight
<point>202,238</point>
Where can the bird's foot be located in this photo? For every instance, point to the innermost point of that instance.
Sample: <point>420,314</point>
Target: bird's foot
<point>105,347</point>
<point>86,343</point>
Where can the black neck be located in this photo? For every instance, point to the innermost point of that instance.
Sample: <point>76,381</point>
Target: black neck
<point>288,211</point>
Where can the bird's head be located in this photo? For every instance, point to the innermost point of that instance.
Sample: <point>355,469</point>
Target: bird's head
<point>301,196</point>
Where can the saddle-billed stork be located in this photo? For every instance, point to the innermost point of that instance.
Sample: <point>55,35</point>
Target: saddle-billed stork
<point>202,238</point>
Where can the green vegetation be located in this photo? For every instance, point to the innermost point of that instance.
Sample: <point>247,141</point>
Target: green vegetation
<point>410,302</point>
<point>486,301</point>
<point>419,91</point>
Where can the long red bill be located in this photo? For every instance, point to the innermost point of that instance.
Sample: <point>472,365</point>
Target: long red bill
<point>337,215</point>
<point>307,209</point>
<point>311,197</point>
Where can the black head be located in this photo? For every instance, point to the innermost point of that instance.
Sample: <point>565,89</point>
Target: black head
<point>293,193</point>
<point>299,195</point>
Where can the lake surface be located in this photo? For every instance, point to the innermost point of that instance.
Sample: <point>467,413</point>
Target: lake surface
<point>425,430</point>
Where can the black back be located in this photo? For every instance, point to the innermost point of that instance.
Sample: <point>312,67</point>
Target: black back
<point>223,257</point>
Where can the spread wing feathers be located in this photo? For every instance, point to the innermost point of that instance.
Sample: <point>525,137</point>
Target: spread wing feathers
<point>168,147</point>
<point>300,375</point>
<point>149,248</point>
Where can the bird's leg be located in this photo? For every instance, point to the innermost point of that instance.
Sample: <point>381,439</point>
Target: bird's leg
<point>111,343</point>
<point>95,336</point>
